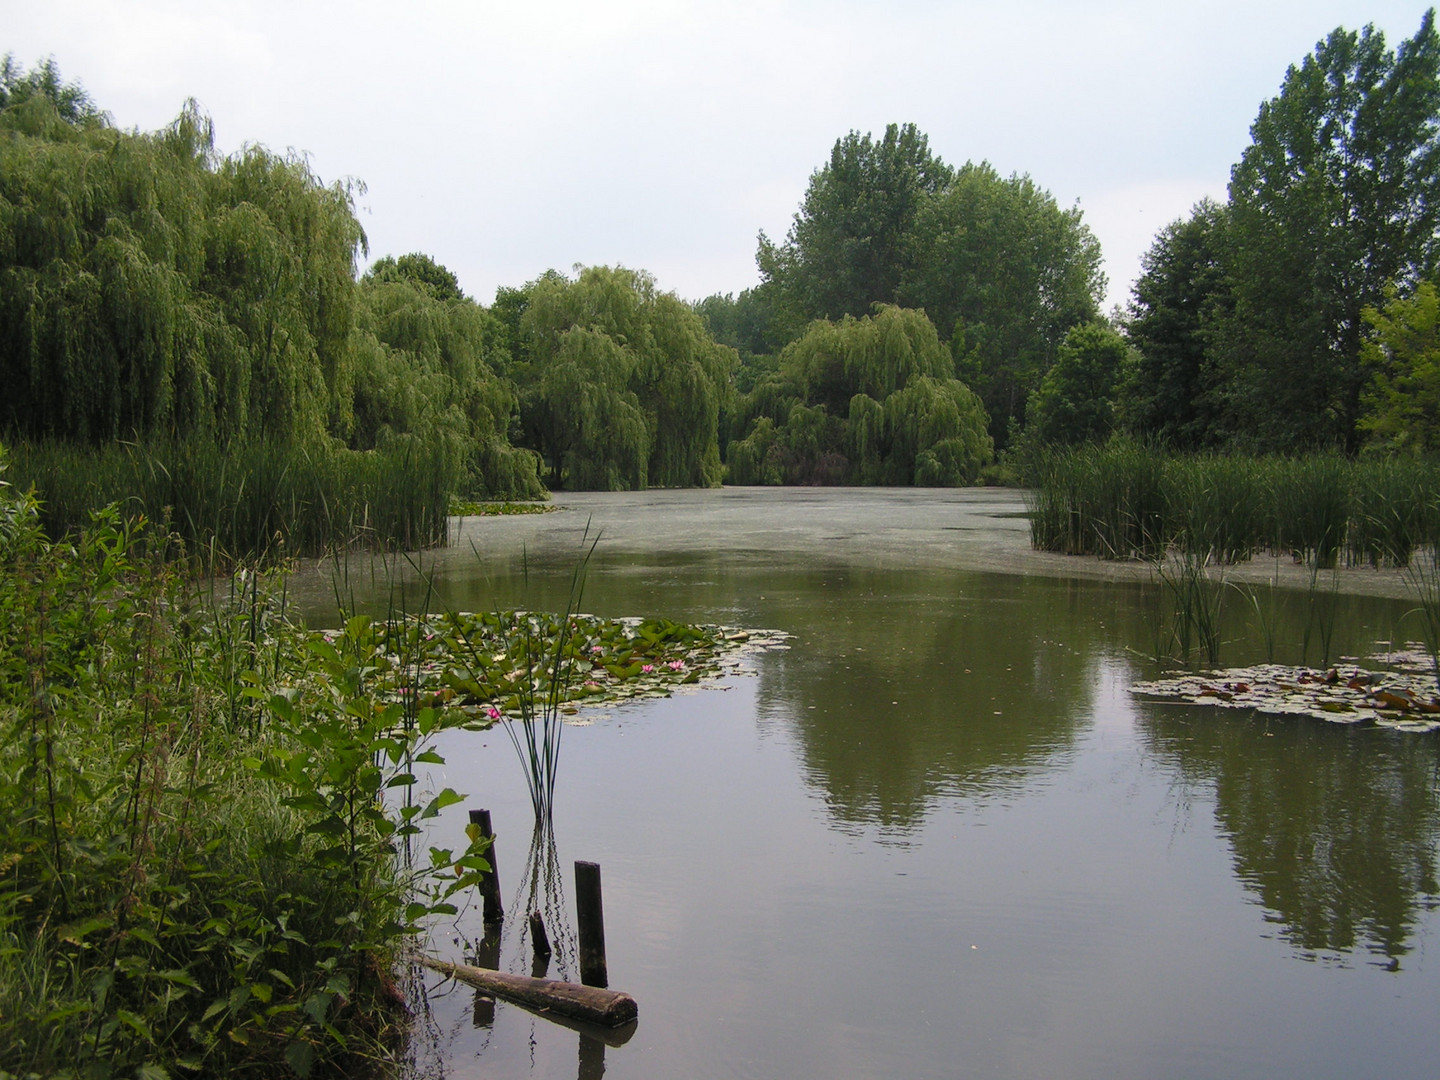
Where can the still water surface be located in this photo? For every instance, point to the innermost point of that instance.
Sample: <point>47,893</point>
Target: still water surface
<point>936,837</point>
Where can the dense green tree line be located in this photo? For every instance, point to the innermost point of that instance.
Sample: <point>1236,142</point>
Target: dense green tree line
<point>621,386</point>
<point>1001,270</point>
<point>1295,316</point>
<point>916,315</point>
<point>153,290</point>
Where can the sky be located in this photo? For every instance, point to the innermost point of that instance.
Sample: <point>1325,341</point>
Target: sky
<point>505,139</point>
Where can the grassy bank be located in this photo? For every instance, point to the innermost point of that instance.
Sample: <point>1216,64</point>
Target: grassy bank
<point>1126,501</point>
<point>257,499</point>
<point>196,874</point>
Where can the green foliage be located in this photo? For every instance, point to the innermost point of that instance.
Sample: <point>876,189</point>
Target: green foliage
<point>995,262</point>
<point>849,245</point>
<point>1007,272</point>
<point>150,288</point>
<point>622,387</point>
<point>1402,402</point>
<point>870,401</point>
<point>1075,401</point>
<point>194,881</point>
<point>1126,500</point>
<point>207,308</point>
<point>1337,198</point>
<point>69,100</point>
<point>420,270</point>
<point>1174,396</point>
<point>425,366</point>
<point>751,325</point>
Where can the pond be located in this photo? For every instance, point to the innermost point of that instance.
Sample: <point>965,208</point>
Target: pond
<point>936,836</point>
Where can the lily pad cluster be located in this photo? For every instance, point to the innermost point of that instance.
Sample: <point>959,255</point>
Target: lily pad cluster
<point>501,665</point>
<point>1344,694</point>
<point>467,508</point>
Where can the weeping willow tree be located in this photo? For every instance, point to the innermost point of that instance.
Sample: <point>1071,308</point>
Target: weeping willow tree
<point>871,400</point>
<point>621,385</point>
<point>177,307</point>
<point>151,287</point>
<point>425,360</point>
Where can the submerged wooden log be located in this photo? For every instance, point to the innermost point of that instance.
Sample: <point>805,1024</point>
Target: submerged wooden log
<point>609,1008</point>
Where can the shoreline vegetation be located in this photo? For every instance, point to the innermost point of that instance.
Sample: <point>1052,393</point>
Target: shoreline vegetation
<point>209,813</point>
<point>1127,501</point>
<point>1194,517</point>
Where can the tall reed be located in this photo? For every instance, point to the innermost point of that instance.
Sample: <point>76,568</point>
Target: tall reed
<point>1215,506</point>
<point>265,499</point>
<point>1099,500</point>
<point>544,648</point>
<point>1124,501</point>
<point>1197,597</point>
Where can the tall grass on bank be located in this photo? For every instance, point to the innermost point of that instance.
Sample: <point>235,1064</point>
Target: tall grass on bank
<point>197,873</point>
<point>255,499</point>
<point>1124,500</point>
<point>1099,501</point>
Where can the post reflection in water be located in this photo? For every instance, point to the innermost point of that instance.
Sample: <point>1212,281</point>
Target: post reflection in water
<point>540,892</point>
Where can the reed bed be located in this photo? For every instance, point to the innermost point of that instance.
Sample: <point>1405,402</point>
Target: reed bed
<point>1126,500</point>
<point>253,500</point>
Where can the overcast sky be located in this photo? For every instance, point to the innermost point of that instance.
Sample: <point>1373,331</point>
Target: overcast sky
<point>505,139</point>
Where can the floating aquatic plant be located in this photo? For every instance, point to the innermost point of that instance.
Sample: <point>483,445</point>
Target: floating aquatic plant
<point>471,661</point>
<point>1345,694</point>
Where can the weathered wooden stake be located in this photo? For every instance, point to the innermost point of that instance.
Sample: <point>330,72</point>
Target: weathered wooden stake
<point>590,922</point>
<point>490,880</point>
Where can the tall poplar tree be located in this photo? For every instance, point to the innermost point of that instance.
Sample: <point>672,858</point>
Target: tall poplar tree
<point>1337,197</point>
<point>848,247</point>
<point>1175,394</point>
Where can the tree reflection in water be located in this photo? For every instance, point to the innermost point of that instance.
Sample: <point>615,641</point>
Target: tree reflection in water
<point>959,685</point>
<point>1334,828</point>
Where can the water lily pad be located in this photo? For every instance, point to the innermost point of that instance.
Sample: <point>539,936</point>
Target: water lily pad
<point>1346,694</point>
<point>500,664</point>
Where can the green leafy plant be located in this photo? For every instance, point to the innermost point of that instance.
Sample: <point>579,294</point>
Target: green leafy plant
<point>204,818</point>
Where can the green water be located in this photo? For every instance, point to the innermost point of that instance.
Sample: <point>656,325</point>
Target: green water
<point>936,837</point>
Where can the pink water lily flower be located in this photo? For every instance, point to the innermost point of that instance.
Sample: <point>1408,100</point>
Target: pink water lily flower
<point>493,713</point>
<point>646,669</point>
<point>597,648</point>
<point>676,665</point>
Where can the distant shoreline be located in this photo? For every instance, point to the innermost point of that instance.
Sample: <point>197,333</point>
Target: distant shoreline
<point>967,529</point>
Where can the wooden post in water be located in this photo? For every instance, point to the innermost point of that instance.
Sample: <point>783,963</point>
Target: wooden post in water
<point>490,880</point>
<point>590,922</point>
<point>592,1058</point>
<point>539,945</point>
